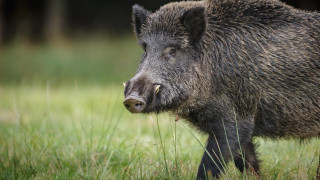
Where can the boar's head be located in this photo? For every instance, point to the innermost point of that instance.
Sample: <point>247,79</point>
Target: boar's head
<point>169,71</point>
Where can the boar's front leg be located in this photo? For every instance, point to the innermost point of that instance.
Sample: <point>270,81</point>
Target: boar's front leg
<point>212,162</point>
<point>223,145</point>
<point>247,158</point>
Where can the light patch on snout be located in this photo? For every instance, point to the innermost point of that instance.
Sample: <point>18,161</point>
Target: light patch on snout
<point>125,84</point>
<point>157,89</point>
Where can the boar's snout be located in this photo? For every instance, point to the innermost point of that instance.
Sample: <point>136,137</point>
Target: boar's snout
<point>140,94</point>
<point>134,104</point>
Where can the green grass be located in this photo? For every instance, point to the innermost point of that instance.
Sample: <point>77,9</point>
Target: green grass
<point>62,117</point>
<point>84,132</point>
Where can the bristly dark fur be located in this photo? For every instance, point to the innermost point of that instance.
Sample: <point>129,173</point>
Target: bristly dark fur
<point>240,67</point>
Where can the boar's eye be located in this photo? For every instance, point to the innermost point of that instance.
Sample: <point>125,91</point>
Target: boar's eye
<point>172,52</point>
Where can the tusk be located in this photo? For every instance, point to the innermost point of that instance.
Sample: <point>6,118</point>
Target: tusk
<point>157,89</point>
<point>124,84</point>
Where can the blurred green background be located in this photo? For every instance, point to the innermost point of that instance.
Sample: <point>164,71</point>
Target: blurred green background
<point>91,60</point>
<point>73,41</point>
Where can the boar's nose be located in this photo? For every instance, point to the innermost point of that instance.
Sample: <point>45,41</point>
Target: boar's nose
<point>134,105</point>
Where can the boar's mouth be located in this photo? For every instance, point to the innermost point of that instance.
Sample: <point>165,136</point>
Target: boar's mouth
<point>142,99</point>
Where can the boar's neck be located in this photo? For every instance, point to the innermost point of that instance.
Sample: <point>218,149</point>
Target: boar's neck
<point>206,113</point>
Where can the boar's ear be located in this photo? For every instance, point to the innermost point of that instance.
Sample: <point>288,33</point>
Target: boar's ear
<point>194,22</point>
<point>139,17</point>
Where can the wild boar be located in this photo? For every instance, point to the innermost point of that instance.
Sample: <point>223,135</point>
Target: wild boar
<point>233,69</point>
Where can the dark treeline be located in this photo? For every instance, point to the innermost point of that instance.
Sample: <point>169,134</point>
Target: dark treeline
<point>41,20</point>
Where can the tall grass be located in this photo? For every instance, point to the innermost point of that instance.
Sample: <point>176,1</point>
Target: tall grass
<point>83,132</point>
<point>57,123</point>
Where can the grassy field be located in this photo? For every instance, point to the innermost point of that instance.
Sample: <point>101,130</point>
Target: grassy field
<point>72,132</point>
<point>62,117</point>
